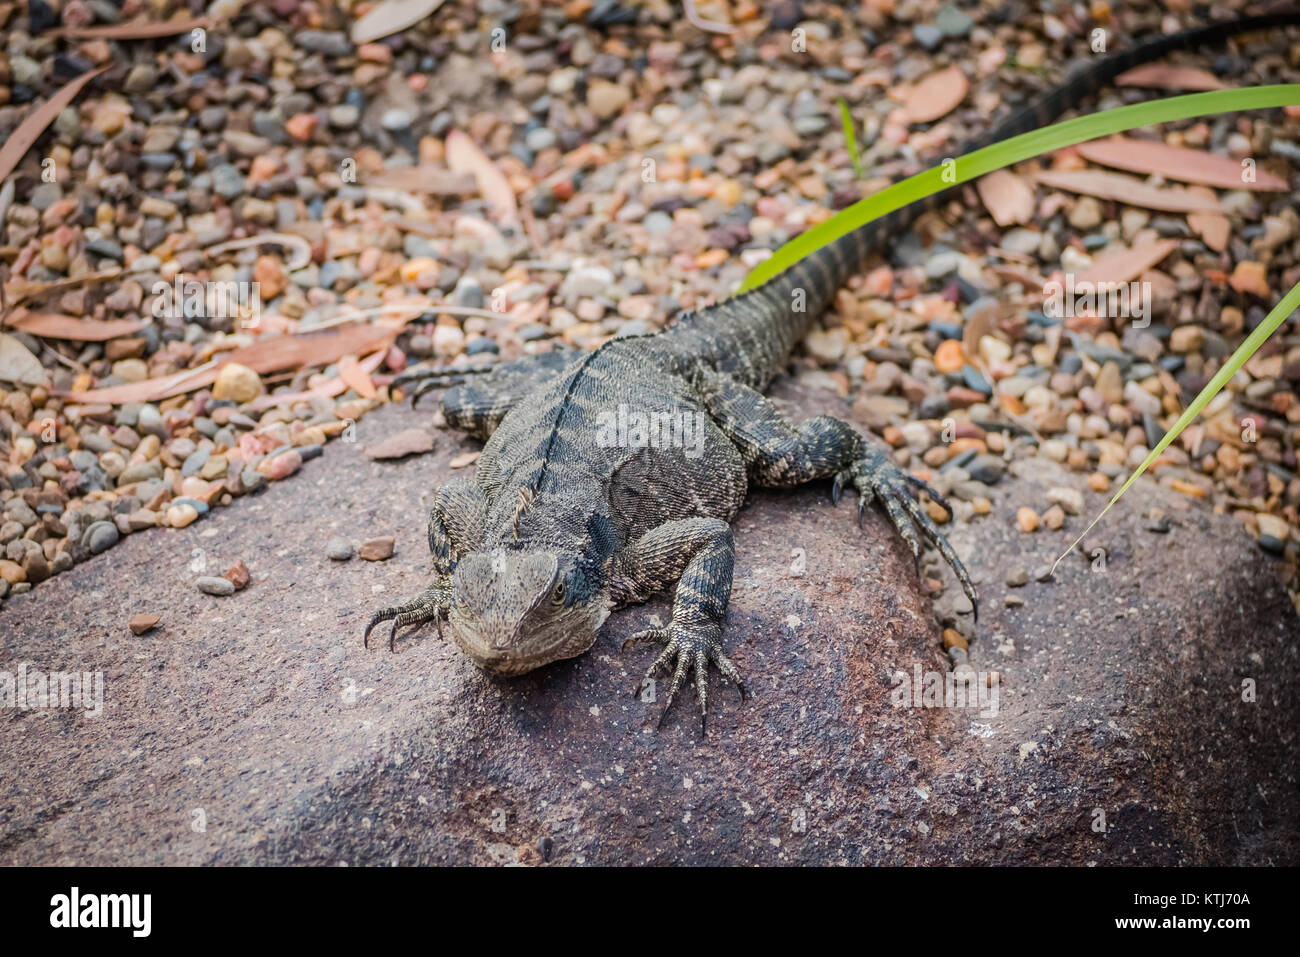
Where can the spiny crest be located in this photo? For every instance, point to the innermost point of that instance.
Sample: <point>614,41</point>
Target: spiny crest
<point>526,498</point>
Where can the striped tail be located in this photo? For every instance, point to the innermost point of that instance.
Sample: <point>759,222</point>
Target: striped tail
<point>751,335</point>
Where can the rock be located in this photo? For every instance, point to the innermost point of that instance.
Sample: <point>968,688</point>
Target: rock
<point>19,365</point>
<point>236,383</point>
<point>100,537</point>
<point>1164,755</point>
<point>377,549</point>
<point>280,465</point>
<point>211,585</point>
<point>338,549</point>
<point>1069,499</point>
<point>988,469</point>
<point>237,575</point>
<point>606,99</point>
<point>1027,519</point>
<point>252,481</point>
<point>178,516</point>
<point>401,444</point>
<point>1086,213</point>
<point>141,623</point>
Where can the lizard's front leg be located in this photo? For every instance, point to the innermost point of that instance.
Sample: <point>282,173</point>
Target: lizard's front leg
<point>781,455</point>
<point>455,527</point>
<point>698,553</point>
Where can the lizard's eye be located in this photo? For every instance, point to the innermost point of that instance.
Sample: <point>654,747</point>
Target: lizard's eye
<point>557,593</point>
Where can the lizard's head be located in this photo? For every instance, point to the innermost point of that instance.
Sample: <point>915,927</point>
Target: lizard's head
<point>513,610</point>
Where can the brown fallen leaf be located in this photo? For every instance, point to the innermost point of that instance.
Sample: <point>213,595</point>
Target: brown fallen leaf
<point>1126,189</point>
<point>434,180</point>
<point>1163,76</point>
<point>1008,198</point>
<point>1176,162</point>
<point>1213,228</point>
<point>1125,265</point>
<point>327,389</point>
<point>53,326</point>
<point>401,444</point>
<point>35,122</point>
<point>268,355</point>
<point>138,30</point>
<point>353,375</point>
<point>464,156</point>
<point>391,16</point>
<point>936,95</point>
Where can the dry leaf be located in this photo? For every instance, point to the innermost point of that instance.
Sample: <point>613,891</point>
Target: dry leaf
<point>391,16</point>
<point>1175,162</point>
<point>1126,189</point>
<point>327,389</point>
<point>353,375</point>
<point>1166,77</point>
<point>53,326</point>
<point>936,95</point>
<point>434,180</point>
<point>1213,228</point>
<point>268,355</point>
<point>401,444</point>
<point>464,156</point>
<point>300,248</point>
<point>1125,265</point>
<point>35,122</point>
<point>139,30</point>
<point>1008,198</point>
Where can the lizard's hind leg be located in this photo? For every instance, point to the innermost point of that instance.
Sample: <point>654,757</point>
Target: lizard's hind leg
<point>455,527</point>
<point>781,455</point>
<point>478,398</point>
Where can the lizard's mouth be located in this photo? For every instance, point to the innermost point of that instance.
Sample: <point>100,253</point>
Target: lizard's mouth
<point>522,649</point>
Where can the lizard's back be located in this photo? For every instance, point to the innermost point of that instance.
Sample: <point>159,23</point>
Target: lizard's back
<point>617,423</point>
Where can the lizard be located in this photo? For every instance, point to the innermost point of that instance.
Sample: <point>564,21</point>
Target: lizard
<point>565,519</point>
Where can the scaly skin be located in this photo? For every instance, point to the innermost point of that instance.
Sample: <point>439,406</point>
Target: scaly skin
<point>560,523</point>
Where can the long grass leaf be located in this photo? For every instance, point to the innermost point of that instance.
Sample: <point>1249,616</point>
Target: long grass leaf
<point>1016,150</point>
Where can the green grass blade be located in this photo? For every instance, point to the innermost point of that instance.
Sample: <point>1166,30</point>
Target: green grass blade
<point>1015,150</point>
<point>1280,312</point>
<point>850,138</point>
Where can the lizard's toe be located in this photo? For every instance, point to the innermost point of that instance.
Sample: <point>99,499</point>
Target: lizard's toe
<point>876,476</point>
<point>429,605</point>
<point>686,651</point>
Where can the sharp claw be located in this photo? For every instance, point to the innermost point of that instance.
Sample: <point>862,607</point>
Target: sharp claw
<point>862,507</point>
<point>837,489</point>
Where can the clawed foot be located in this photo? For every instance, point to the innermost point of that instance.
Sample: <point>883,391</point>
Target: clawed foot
<point>431,605</point>
<point>687,649</point>
<point>874,476</point>
<point>425,380</point>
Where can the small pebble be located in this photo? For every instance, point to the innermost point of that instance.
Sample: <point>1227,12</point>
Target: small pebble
<point>376,549</point>
<point>212,585</point>
<point>141,623</point>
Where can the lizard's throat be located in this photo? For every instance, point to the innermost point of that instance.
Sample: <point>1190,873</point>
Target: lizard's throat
<point>533,642</point>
